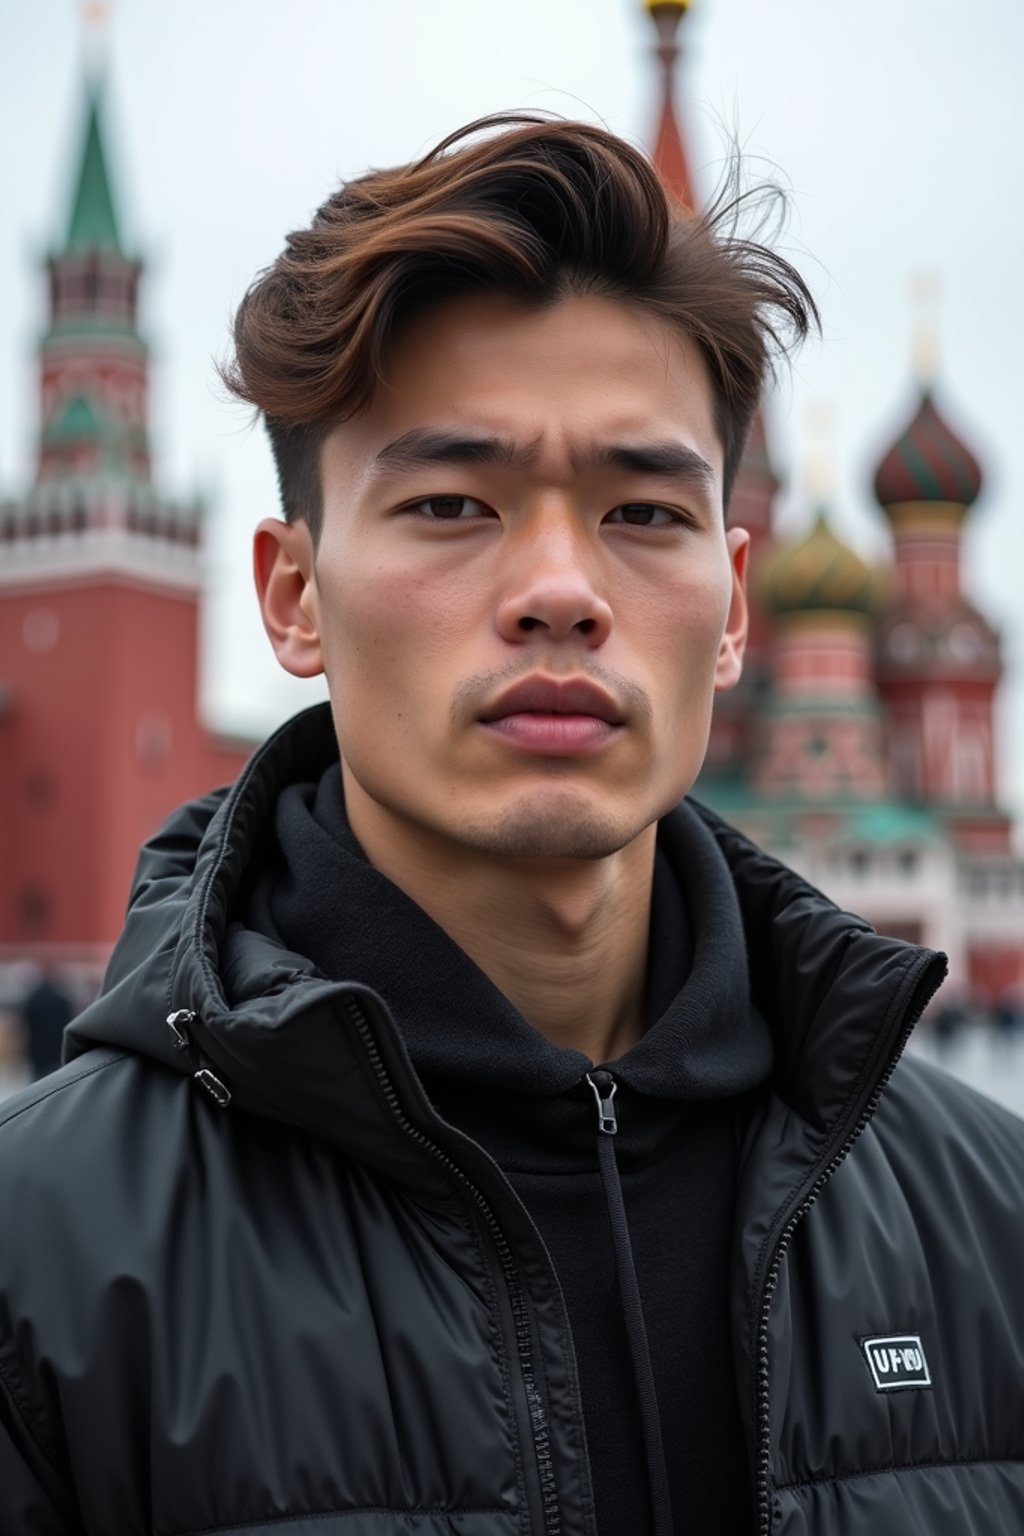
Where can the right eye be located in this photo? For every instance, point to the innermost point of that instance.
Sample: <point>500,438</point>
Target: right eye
<point>450,509</point>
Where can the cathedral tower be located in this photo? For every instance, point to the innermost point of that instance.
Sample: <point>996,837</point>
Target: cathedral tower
<point>821,725</point>
<point>938,658</point>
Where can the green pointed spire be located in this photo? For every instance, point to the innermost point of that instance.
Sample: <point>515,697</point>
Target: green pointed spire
<point>93,222</point>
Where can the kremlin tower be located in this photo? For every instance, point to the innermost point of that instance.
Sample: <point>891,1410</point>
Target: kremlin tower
<point>99,609</point>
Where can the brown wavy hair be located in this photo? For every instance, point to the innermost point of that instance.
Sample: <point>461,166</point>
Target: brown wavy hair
<point>531,208</point>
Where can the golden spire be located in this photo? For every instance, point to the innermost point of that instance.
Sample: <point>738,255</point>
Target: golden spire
<point>820,472</point>
<point>95,16</point>
<point>925,295</point>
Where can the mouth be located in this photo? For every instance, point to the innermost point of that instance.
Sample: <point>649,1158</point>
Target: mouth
<point>555,717</point>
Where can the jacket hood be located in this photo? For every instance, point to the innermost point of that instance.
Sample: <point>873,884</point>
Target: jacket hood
<point>285,1042</point>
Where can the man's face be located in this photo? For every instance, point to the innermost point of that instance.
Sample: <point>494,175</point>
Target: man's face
<point>524,597</point>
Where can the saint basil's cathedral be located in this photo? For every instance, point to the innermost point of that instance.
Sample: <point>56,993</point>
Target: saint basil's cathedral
<point>859,746</point>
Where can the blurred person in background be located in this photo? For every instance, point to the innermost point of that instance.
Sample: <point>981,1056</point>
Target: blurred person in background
<point>46,1011</point>
<point>474,1133</point>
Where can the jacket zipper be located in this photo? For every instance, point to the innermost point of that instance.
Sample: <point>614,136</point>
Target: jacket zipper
<point>520,1311</point>
<point>818,1182</point>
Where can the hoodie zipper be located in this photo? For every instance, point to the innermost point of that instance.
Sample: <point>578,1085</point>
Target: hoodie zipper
<point>604,1088</point>
<point>812,1191</point>
<point>520,1310</point>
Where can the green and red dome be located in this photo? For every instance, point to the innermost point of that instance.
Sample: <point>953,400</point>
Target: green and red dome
<point>819,572</point>
<point>928,462</point>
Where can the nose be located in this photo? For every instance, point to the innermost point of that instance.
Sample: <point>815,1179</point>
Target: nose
<point>551,587</point>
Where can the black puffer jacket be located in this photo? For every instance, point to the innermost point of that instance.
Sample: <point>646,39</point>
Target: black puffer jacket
<point>250,1281</point>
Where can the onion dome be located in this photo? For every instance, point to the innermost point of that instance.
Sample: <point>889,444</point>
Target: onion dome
<point>819,572</point>
<point>928,462</point>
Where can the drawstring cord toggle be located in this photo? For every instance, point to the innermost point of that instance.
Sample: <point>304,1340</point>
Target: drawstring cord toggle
<point>201,1073</point>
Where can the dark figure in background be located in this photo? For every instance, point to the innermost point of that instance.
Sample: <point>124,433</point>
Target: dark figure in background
<point>950,1019</point>
<point>46,1012</point>
<point>1008,1019</point>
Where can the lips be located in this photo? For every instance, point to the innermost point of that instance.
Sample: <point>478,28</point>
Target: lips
<point>554,696</point>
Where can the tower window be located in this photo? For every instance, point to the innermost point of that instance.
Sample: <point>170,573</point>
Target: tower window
<point>35,908</point>
<point>40,630</point>
<point>40,790</point>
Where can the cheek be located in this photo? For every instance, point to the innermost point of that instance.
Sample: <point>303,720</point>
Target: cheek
<point>691,621</point>
<point>384,632</point>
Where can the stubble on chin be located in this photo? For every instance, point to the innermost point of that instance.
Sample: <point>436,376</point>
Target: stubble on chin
<point>556,826</point>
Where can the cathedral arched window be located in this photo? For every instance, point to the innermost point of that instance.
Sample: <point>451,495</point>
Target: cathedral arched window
<point>970,766</point>
<point>965,643</point>
<point>904,642</point>
<point>906,760</point>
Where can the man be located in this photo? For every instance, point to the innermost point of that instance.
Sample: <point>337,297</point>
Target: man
<point>46,1011</point>
<point>471,1137</point>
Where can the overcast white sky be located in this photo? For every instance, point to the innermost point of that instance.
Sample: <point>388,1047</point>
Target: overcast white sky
<point>898,125</point>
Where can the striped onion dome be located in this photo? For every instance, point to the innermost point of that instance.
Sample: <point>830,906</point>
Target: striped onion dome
<point>928,462</point>
<point>819,571</point>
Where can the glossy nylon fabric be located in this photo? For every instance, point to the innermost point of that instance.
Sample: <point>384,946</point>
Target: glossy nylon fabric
<point>220,1341</point>
<point>291,1314</point>
<point>945,1457</point>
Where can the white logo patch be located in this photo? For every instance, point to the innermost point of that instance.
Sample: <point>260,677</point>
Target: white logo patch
<point>897,1360</point>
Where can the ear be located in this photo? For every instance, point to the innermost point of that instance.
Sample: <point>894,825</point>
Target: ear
<point>286,587</point>
<point>729,665</point>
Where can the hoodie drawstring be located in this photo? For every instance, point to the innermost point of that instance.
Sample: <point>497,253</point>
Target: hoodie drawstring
<point>604,1088</point>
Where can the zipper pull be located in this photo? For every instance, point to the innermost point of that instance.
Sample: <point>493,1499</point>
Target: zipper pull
<point>605,1088</point>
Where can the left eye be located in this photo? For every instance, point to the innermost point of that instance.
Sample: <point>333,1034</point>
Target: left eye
<point>643,514</point>
<point>450,508</point>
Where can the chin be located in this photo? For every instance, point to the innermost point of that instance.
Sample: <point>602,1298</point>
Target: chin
<point>558,826</point>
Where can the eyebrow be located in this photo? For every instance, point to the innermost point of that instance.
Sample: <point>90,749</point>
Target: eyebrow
<point>665,461</point>
<point>425,446</point>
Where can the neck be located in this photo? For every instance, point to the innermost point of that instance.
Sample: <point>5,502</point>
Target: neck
<point>564,939</point>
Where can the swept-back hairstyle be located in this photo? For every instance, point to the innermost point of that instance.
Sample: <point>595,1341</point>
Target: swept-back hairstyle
<point>520,205</point>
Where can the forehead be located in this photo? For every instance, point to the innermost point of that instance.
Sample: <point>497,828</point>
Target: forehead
<point>563,379</point>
